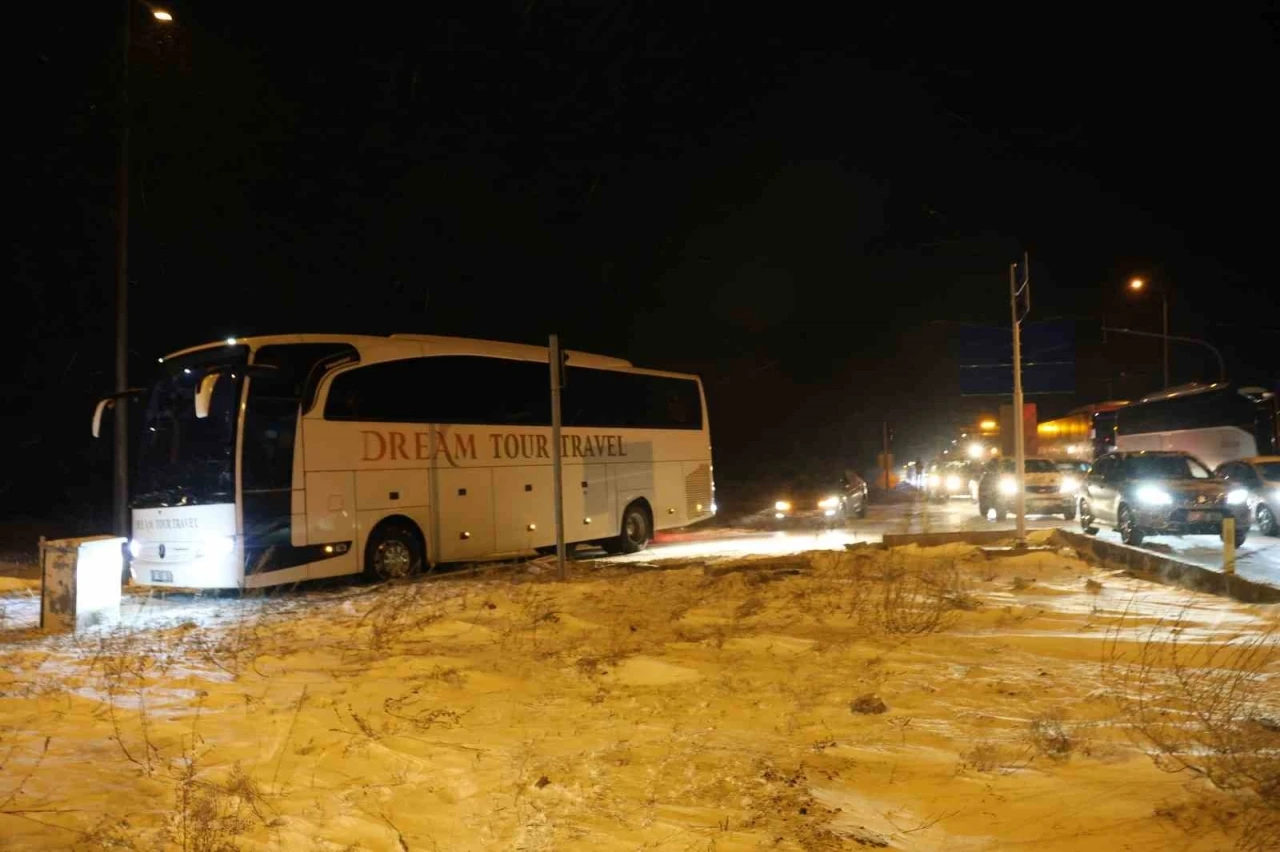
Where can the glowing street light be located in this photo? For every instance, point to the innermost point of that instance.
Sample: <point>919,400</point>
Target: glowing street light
<point>161,15</point>
<point>1137,285</point>
<point>976,450</point>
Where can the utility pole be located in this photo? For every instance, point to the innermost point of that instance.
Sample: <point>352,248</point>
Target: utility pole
<point>556,461</point>
<point>1164,315</point>
<point>886,462</point>
<point>1019,439</point>
<point>120,466</point>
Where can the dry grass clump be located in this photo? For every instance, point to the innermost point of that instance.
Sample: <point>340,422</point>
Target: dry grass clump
<point>904,596</point>
<point>1212,711</point>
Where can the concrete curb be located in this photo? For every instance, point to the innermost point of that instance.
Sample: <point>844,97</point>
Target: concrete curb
<point>935,539</point>
<point>1139,563</point>
<point>1162,569</point>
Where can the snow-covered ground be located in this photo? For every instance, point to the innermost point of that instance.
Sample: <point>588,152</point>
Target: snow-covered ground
<point>804,701</point>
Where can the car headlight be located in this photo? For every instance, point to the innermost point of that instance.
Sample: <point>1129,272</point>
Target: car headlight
<point>1070,485</point>
<point>782,506</point>
<point>1153,496</point>
<point>135,548</point>
<point>953,483</point>
<point>219,546</point>
<point>935,480</point>
<point>1008,486</point>
<point>1236,496</point>
<point>829,503</point>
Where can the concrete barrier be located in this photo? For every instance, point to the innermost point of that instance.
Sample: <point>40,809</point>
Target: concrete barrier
<point>80,581</point>
<point>1163,569</point>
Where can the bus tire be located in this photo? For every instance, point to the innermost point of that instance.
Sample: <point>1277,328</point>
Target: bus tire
<point>393,552</point>
<point>635,533</point>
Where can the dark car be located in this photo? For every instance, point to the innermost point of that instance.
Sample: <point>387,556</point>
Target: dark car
<point>1260,476</point>
<point>1139,494</point>
<point>1047,490</point>
<point>820,499</point>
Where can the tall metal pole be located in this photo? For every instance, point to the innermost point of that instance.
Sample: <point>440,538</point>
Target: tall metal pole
<point>556,462</point>
<point>1019,448</point>
<point>120,469</point>
<point>1164,313</point>
<point>885,462</point>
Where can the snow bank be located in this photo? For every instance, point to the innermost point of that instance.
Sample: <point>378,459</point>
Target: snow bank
<point>699,707</point>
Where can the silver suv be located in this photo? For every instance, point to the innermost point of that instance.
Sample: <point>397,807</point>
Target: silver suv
<point>1159,493</point>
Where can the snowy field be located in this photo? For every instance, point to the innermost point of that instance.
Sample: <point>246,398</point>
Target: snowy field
<point>925,699</point>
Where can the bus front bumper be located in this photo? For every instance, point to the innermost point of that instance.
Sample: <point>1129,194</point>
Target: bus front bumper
<point>192,547</point>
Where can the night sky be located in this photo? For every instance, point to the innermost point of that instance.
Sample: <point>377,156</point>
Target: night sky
<point>803,208</point>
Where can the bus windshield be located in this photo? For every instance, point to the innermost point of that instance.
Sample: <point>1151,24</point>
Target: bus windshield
<point>183,459</point>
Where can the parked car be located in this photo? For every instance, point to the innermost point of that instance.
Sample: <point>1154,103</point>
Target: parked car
<point>821,498</point>
<point>1148,493</point>
<point>950,480</point>
<point>998,489</point>
<point>1260,476</point>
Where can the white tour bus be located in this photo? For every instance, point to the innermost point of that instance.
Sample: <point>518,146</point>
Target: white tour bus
<point>1214,422</point>
<point>268,460</point>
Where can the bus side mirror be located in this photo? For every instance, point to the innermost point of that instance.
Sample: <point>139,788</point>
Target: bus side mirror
<point>204,394</point>
<point>103,405</point>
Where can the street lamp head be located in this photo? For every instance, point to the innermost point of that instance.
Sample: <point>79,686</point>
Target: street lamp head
<point>1137,284</point>
<point>161,15</point>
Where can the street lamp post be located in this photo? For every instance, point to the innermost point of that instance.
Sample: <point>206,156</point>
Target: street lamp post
<point>120,462</point>
<point>1138,285</point>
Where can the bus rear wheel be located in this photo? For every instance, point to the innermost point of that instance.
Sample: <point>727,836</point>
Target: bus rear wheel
<point>393,553</point>
<point>635,534</point>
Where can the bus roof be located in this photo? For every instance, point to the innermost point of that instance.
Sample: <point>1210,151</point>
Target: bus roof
<point>374,348</point>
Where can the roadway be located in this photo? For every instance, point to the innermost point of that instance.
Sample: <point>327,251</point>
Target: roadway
<point>1258,559</point>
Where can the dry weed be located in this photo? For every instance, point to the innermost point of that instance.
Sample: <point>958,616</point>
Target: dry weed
<point>1209,709</point>
<point>1050,736</point>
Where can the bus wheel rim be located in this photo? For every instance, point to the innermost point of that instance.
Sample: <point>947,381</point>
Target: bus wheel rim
<point>635,527</point>
<point>392,559</point>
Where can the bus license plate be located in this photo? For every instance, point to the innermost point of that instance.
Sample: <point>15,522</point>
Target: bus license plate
<point>162,576</point>
<point>1200,516</point>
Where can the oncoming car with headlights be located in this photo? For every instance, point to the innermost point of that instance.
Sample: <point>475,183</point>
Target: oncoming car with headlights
<point>819,499</point>
<point>1048,490</point>
<point>1139,494</point>
<point>1260,477</point>
<point>950,480</point>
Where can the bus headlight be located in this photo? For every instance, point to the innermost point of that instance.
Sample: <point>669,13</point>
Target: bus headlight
<point>1236,496</point>
<point>1153,496</point>
<point>829,503</point>
<point>953,483</point>
<point>219,546</point>
<point>1008,486</point>
<point>135,548</point>
<point>782,506</point>
<point>1070,485</point>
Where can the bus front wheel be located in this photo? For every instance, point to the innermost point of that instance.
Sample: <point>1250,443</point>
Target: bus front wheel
<point>393,552</point>
<point>635,534</point>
